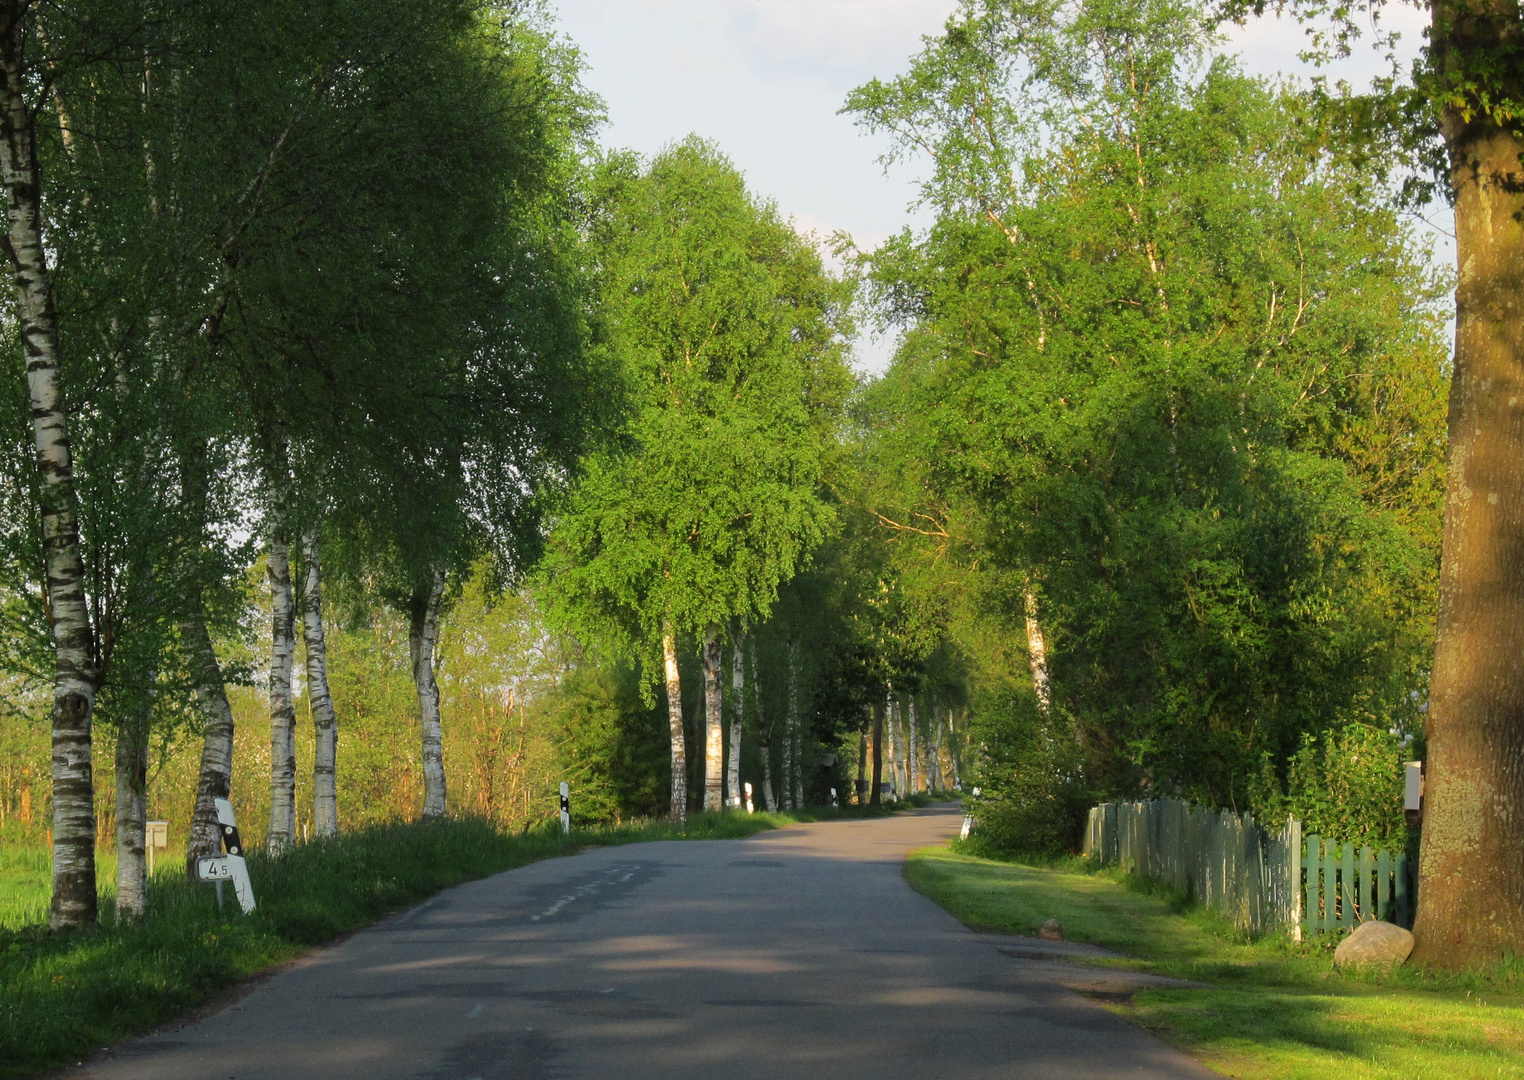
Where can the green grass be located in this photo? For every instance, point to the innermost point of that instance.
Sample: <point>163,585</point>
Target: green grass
<point>64,996</point>
<point>1275,1010</point>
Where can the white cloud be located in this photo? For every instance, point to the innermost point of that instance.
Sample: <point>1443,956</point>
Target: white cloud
<point>854,38</point>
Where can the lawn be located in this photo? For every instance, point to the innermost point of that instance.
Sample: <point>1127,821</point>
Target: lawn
<point>63,996</point>
<point>1274,1010</point>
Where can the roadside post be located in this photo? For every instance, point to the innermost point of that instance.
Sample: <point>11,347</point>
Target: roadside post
<point>1412,792</point>
<point>833,796</point>
<point>749,809</point>
<point>565,808</point>
<point>155,835</point>
<point>231,866</point>
<point>969,821</point>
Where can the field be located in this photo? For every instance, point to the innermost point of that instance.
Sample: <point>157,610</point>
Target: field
<point>1274,1010</point>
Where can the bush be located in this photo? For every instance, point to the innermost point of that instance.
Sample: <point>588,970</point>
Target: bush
<point>1346,784</point>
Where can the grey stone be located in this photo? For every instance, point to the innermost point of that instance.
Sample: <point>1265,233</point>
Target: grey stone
<point>1052,930</point>
<point>1378,943</point>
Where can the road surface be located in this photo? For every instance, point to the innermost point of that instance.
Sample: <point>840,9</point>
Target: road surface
<point>799,953</point>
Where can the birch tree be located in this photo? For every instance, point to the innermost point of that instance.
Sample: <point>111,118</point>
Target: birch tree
<point>730,334</point>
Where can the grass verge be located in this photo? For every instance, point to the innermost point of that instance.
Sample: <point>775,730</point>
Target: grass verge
<point>64,996</point>
<point>1274,1010</point>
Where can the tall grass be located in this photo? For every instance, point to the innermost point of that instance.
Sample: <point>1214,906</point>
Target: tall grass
<point>63,996</point>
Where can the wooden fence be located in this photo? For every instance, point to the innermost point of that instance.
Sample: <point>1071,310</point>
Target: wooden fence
<point>1260,880</point>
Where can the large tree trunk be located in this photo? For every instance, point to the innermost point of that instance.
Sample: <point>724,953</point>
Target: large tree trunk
<point>132,811</point>
<point>878,755</point>
<point>325,797</point>
<point>679,806</point>
<point>891,707</point>
<point>714,742</point>
<point>737,718</point>
<point>1037,652</point>
<point>938,782</point>
<point>282,706</point>
<point>75,675</point>
<point>215,778</point>
<point>795,725</point>
<point>1471,877</point>
<point>423,632</point>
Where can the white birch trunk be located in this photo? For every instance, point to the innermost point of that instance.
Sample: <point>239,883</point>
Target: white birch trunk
<point>938,780</point>
<point>215,778</point>
<point>737,719</point>
<point>423,633</point>
<point>679,807</point>
<point>714,742</point>
<point>796,726</point>
<point>764,733</point>
<point>1037,652</point>
<point>325,798</point>
<point>132,813</point>
<point>915,749</point>
<point>858,792</point>
<point>75,675</point>
<point>895,787</point>
<point>282,707</point>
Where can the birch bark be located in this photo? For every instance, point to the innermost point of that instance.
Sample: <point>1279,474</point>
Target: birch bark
<point>75,676</point>
<point>1037,652</point>
<point>132,813</point>
<point>874,798</point>
<point>737,718</point>
<point>679,806</point>
<point>862,760</point>
<point>796,727</point>
<point>216,775</point>
<point>325,803</point>
<point>915,749</point>
<point>891,710</point>
<point>764,733</point>
<point>282,831</point>
<point>423,633</point>
<point>937,779</point>
<point>714,743</point>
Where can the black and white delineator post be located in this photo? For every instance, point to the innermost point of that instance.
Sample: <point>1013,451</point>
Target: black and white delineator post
<point>565,808</point>
<point>749,809</point>
<point>229,867</point>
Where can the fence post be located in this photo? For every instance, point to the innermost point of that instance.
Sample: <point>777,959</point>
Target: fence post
<point>1296,897</point>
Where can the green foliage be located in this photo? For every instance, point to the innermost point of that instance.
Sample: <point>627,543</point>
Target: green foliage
<point>1174,367</point>
<point>612,748</point>
<point>1033,798</point>
<point>1346,784</point>
<point>729,333</point>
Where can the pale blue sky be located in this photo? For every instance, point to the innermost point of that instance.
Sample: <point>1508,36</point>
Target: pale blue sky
<point>764,78</point>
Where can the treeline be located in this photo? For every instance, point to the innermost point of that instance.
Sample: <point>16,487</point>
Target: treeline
<point>1161,455</point>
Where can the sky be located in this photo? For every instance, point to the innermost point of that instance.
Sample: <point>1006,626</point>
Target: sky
<point>764,79</point>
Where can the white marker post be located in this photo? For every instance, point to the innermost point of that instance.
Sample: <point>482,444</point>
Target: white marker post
<point>833,796</point>
<point>229,867</point>
<point>748,799</point>
<point>565,808</point>
<point>155,835</point>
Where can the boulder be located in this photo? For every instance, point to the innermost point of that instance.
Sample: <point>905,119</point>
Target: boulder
<point>1053,930</point>
<point>1377,943</point>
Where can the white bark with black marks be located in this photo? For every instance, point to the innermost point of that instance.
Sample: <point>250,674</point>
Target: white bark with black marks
<point>764,732</point>
<point>325,722</point>
<point>282,832</point>
<point>915,748</point>
<point>76,678</point>
<point>423,635</point>
<point>796,727</point>
<point>737,719</point>
<point>679,806</point>
<point>216,774</point>
<point>132,812</point>
<point>714,741</point>
<point>1037,652</point>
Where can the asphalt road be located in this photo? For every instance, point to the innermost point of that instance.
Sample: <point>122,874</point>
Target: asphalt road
<point>799,953</point>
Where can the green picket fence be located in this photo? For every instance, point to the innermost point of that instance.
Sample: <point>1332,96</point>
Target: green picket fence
<point>1342,887</point>
<point>1259,879</point>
